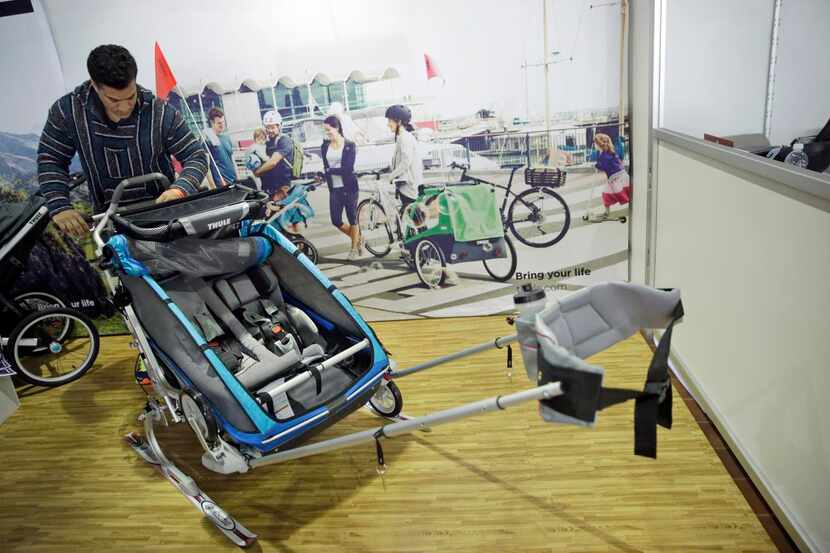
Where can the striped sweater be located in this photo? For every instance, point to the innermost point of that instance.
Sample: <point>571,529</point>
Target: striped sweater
<point>110,152</point>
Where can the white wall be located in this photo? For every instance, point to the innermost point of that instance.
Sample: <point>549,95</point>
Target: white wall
<point>716,60</point>
<point>32,77</point>
<point>801,105</point>
<point>752,267</point>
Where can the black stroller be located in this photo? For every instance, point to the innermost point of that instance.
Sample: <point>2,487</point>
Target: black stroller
<point>44,342</point>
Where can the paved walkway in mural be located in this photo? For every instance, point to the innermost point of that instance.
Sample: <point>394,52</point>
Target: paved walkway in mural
<point>385,288</point>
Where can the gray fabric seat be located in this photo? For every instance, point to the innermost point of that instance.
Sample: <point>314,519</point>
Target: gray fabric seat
<point>235,294</point>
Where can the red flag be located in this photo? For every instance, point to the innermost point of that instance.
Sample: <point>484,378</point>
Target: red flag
<point>165,81</point>
<point>432,69</point>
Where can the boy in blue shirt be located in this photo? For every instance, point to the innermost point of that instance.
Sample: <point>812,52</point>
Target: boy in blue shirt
<point>221,148</point>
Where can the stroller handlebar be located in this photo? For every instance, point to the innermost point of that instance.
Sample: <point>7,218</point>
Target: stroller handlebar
<point>155,234</point>
<point>191,222</point>
<point>119,190</point>
<point>116,197</point>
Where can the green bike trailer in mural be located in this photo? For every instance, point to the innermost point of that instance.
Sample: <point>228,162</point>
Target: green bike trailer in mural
<point>457,223</point>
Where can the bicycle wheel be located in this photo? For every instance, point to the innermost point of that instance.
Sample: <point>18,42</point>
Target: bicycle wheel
<point>539,217</point>
<point>502,268</point>
<point>375,228</point>
<point>429,263</point>
<point>31,302</point>
<point>305,247</point>
<point>40,358</point>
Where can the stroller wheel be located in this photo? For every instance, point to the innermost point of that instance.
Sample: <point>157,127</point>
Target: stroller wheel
<point>38,301</point>
<point>387,401</point>
<point>200,418</point>
<point>305,247</point>
<point>623,219</point>
<point>44,354</point>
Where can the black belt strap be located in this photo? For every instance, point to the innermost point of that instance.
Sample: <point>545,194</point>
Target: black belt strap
<point>653,405</point>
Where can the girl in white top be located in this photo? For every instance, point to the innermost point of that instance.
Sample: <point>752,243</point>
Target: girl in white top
<point>407,166</point>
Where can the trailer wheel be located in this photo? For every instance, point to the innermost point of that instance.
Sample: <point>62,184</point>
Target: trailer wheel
<point>387,401</point>
<point>430,264</point>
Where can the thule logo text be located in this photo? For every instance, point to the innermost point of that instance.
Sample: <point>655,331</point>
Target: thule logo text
<point>218,224</point>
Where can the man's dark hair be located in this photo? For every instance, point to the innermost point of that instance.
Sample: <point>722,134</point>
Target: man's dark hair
<point>334,121</point>
<point>214,113</point>
<point>111,65</point>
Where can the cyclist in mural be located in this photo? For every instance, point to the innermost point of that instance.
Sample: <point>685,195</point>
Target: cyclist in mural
<point>118,129</point>
<point>407,167</point>
<point>275,171</point>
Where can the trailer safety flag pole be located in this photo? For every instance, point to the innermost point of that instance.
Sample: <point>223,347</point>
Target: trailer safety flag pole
<point>165,83</point>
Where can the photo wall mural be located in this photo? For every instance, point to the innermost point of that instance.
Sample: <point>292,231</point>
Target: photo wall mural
<point>511,189</point>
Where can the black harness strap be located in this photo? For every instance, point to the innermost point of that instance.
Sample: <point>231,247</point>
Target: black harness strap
<point>654,405</point>
<point>584,395</point>
<point>266,399</point>
<point>318,378</point>
<point>381,468</point>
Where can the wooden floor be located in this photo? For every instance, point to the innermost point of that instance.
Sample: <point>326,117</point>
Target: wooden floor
<point>503,482</point>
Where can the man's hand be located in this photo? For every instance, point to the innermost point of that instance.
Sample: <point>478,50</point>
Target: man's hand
<point>170,194</point>
<point>71,222</point>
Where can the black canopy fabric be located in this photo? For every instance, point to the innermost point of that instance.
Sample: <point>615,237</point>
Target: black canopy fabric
<point>14,215</point>
<point>55,264</point>
<point>59,266</point>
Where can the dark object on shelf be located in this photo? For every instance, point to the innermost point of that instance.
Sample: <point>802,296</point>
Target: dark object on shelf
<point>817,150</point>
<point>818,155</point>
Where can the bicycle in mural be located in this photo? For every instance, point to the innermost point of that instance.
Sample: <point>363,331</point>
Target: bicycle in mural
<point>538,217</point>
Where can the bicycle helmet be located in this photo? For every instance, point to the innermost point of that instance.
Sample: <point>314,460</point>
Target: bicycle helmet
<point>399,112</point>
<point>272,118</point>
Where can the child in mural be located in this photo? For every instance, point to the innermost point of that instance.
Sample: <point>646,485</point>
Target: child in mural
<point>301,213</point>
<point>618,186</point>
<point>255,155</point>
